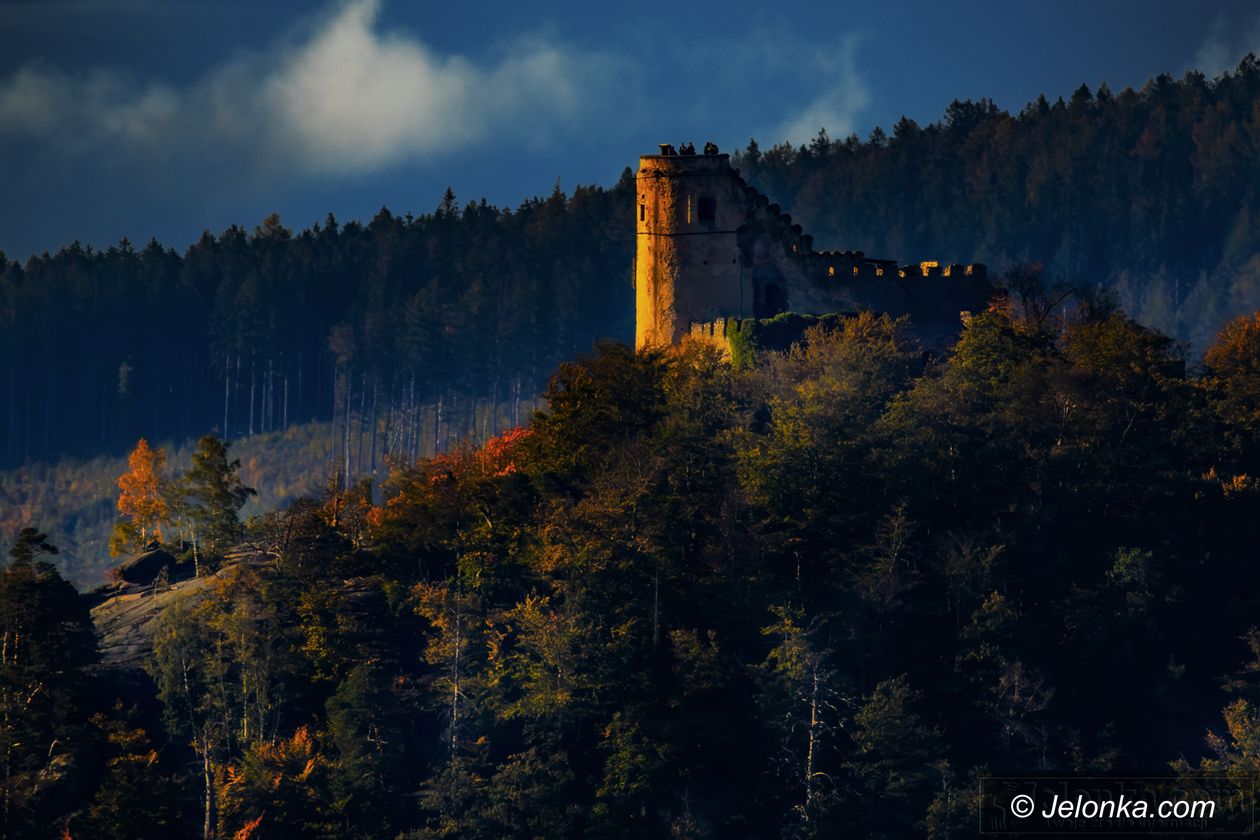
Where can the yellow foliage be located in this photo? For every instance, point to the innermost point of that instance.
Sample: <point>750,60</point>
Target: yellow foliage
<point>140,496</point>
<point>1236,350</point>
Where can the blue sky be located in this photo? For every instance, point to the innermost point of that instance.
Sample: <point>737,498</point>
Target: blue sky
<point>140,118</point>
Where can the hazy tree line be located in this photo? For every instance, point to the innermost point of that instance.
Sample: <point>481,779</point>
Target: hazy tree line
<point>815,596</point>
<point>1153,192</point>
<point>457,316</point>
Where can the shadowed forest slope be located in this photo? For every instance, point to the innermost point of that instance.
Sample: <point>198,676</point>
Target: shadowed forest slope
<point>814,596</point>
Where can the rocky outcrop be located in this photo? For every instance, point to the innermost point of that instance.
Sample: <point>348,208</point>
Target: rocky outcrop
<point>145,568</point>
<point>124,620</point>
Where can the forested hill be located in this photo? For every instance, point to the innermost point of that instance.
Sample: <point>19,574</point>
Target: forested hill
<point>465,310</point>
<point>253,332</point>
<point>1154,192</point>
<point>820,596</point>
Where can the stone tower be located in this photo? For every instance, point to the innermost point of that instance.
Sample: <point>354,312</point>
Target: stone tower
<point>687,257</point>
<point>711,252</point>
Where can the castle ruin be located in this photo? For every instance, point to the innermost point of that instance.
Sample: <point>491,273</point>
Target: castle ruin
<point>711,252</point>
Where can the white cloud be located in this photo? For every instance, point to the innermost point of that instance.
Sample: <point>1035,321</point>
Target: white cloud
<point>844,96</point>
<point>346,99</point>
<point>1225,44</point>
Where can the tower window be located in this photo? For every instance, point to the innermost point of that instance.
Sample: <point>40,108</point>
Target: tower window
<point>642,212</point>
<point>708,209</point>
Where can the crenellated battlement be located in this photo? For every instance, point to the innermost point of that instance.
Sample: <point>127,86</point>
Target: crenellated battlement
<point>720,330</point>
<point>713,251</point>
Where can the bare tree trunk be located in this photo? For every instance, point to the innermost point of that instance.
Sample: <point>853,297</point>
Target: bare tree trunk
<point>262,403</point>
<point>390,403</point>
<point>418,420</point>
<point>358,458</point>
<point>813,738</point>
<point>252,381</point>
<point>298,405</point>
<point>402,430</point>
<point>269,396</point>
<point>227,390</point>
<point>12,449</point>
<point>516,402</point>
<point>207,826</point>
<point>104,411</point>
<point>333,456</point>
<point>455,686</point>
<point>346,437</point>
<point>409,417</point>
<point>372,433</point>
<point>492,425</point>
<point>237,387</point>
<point>437,427</point>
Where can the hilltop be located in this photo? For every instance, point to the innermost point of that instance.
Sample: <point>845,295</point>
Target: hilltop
<point>1148,193</point>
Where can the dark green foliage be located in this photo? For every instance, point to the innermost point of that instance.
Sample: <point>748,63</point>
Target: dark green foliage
<point>47,641</point>
<point>213,493</point>
<point>253,332</point>
<point>137,798</point>
<point>366,730</point>
<point>818,597</point>
<point>744,345</point>
<point>779,333</point>
<point>1150,192</point>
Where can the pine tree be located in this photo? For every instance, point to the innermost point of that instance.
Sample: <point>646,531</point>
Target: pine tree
<point>215,495</point>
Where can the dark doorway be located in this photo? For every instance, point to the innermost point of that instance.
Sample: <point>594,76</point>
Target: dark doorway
<point>769,296</point>
<point>774,302</point>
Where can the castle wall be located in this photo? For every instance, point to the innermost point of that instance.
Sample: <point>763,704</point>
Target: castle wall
<point>710,246</point>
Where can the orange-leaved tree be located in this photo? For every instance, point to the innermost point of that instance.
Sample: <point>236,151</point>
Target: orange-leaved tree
<point>141,504</point>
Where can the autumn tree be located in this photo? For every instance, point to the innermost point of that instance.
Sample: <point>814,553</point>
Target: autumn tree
<point>1232,364</point>
<point>277,789</point>
<point>141,500</point>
